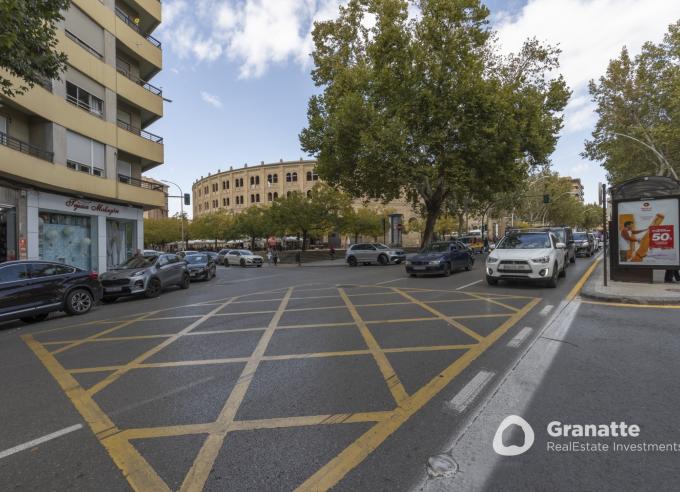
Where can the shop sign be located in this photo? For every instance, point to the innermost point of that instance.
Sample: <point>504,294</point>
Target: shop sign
<point>97,207</point>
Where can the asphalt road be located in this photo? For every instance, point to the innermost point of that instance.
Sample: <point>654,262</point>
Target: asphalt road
<point>288,377</point>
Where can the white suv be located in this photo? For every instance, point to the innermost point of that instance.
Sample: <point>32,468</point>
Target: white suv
<point>529,256</point>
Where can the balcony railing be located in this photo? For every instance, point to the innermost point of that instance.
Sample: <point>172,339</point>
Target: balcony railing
<point>82,105</point>
<point>151,88</point>
<point>141,133</point>
<point>25,148</point>
<point>140,183</point>
<point>84,45</point>
<point>135,26</point>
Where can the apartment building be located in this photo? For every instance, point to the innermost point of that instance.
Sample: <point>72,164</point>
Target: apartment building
<point>72,151</point>
<point>157,212</point>
<point>577,189</point>
<point>237,189</point>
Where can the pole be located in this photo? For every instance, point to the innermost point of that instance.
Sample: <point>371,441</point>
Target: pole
<point>605,230</point>
<point>181,208</point>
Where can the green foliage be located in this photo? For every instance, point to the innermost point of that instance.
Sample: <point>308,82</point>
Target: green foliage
<point>592,216</point>
<point>428,107</point>
<point>28,44</point>
<point>562,209</point>
<point>639,99</point>
<point>159,232</point>
<point>362,222</point>
<point>216,225</point>
<point>254,223</point>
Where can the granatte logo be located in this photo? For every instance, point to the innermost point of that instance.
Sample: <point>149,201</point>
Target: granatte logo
<point>513,422</point>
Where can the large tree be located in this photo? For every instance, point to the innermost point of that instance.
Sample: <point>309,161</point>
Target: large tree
<point>28,44</point>
<point>363,221</point>
<point>638,104</point>
<point>254,223</point>
<point>427,106</point>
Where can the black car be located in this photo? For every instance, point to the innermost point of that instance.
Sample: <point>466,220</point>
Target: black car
<point>585,244</point>
<point>200,266</point>
<point>30,290</point>
<point>440,258</point>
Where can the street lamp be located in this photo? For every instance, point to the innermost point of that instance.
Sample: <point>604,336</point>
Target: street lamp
<point>658,154</point>
<point>181,205</point>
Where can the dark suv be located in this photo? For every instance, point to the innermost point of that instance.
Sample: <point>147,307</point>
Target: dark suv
<point>30,290</point>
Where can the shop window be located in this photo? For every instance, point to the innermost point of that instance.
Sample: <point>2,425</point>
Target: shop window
<point>120,241</point>
<point>69,239</point>
<point>8,234</point>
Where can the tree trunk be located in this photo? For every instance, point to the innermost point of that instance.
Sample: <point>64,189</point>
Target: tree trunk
<point>461,223</point>
<point>304,240</point>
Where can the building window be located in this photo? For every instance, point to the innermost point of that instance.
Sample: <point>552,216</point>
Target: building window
<point>269,196</point>
<point>312,176</point>
<point>224,202</point>
<point>84,154</point>
<point>252,198</point>
<point>288,178</point>
<point>200,207</point>
<point>276,195</point>
<point>214,187</point>
<point>294,176</point>
<point>70,239</point>
<point>84,100</point>
<point>288,193</point>
<point>206,190</point>
<point>199,192</point>
<point>224,185</point>
<point>272,178</point>
<point>309,193</point>
<point>227,202</point>
<point>257,198</point>
<point>207,205</point>
<point>257,180</point>
<point>252,180</point>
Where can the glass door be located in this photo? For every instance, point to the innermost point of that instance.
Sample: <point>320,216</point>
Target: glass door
<point>8,233</point>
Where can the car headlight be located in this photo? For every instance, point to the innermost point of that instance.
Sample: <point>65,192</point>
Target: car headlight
<point>492,259</point>
<point>138,274</point>
<point>435,262</point>
<point>542,259</point>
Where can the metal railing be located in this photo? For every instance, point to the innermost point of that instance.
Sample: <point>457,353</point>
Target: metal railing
<point>140,183</point>
<point>83,44</point>
<point>135,27</point>
<point>25,148</point>
<point>86,107</point>
<point>141,133</point>
<point>151,88</point>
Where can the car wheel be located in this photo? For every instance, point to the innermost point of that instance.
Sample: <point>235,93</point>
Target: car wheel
<point>468,267</point>
<point>491,281</point>
<point>552,282</point>
<point>35,319</point>
<point>184,284</point>
<point>79,301</point>
<point>382,260</point>
<point>154,287</point>
<point>398,262</point>
<point>563,273</point>
<point>243,263</point>
<point>109,299</point>
<point>413,275</point>
<point>447,269</point>
<point>259,265</point>
<point>352,261</point>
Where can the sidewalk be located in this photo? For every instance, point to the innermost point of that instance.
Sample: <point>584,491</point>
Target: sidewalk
<point>658,293</point>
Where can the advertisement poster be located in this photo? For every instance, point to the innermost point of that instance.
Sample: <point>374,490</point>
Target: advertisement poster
<point>648,233</point>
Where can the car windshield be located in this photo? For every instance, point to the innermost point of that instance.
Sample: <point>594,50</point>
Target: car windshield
<point>560,234</point>
<point>580,236</point>
<point>525,241</point>
<point>196,259</point>
<point>245,252</point>
<point>138,262</point>
<point>436,248</point>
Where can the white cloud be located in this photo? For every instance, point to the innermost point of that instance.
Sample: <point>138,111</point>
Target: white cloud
<point>211,99</point>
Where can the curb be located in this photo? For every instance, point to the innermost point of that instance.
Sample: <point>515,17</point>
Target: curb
<point>591,294</point>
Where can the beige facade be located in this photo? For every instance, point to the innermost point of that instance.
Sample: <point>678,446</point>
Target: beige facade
<point>237,189</point>
<point>158,212</point>
<point>82,137</point>
<point>577,189</point>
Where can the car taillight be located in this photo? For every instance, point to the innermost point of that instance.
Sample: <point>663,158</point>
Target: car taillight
<point>94,276</point>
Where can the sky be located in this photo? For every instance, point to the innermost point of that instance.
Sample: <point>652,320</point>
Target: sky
<point>238,74</point>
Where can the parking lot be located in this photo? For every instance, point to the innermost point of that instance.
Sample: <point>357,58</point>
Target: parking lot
<point>274,378</point>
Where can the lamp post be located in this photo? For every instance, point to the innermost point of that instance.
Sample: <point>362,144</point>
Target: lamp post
<point>658,154</point>
<point>181,205</point>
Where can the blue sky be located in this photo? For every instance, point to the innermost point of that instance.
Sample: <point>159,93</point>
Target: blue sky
<point>237,73</point>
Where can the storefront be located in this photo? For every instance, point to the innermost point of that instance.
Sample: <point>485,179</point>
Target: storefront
<point>9,240</point>
<point>88,234</point>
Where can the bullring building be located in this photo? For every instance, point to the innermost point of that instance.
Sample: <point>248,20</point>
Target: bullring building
<point>73,150</point>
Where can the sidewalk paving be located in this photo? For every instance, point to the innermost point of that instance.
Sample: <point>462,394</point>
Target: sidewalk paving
<point>629,292</point>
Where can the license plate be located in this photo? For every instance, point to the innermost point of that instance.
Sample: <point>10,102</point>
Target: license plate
<point>419,268</point>
<point>525,268</point>
<point>113,289</point>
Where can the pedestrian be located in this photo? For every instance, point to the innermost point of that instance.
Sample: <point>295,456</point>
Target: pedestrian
<point>332,252</point>
<point>486,244</point>
<point>269,257</point>
<point>275,257</point>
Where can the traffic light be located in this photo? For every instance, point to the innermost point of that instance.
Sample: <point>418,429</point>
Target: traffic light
<point>546,198</point>
<point>187,199</point>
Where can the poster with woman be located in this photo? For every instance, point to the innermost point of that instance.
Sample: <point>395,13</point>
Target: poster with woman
<point>647,233</point>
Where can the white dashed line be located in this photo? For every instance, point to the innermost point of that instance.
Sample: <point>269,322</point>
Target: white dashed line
<point>390,281</point>
<point>546,310</point>
<point>40,440</point>
<point>520,337</point>
<point>470,391</point>
<point>468,285</point>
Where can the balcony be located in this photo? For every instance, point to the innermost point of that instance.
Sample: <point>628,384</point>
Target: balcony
<point>135,27</point>
<point>83,44</point>
<point>25,148</point>
<point>141,133</point>
<point>151,88</point>
<point>140,183</point>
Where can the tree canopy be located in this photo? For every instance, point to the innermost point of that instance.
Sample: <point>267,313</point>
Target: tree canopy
<point>159,232</point>
<point>638,104</point>
<point>427,106</point>
<point>28,44</point>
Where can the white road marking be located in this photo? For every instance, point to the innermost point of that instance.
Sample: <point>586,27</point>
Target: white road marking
<point>520,337</point>
<point>470,391</point>
<point>40,440</point>
<point>469,285</point>
<point>546,310</point>
<point>390,281</point>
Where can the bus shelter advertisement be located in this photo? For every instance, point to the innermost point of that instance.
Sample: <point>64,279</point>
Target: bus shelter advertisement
<point>648,233</point>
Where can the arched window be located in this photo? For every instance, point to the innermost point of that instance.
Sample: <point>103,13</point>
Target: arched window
<point>269,178</point>
<point>276,178</point>
<point>252,198</point>
<point>294,176</point>
<point>227,202</point>
<point>309,175</point>
<point>252,180</point>
<point>288,178</point>
<point>257,198</point>
<point>257,180</point>
<point>276,195</point>
<point>269,196</point>
<point>288,193</point>
<point>309,193</point>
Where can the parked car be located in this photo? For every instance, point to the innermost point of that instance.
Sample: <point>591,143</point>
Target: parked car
<point>475,243</point>
<point>182,254</point>
<point>221,255</point>
<point>537,256</point>
<point>150,252</point>
<point>212,255</point>
<point>440,258</point>
<point>200,266</point>
<point>585,244</point>
<point>564,235</point>
<point>596,240</point>
<point>145,275</point>
<point>30,290</point>
<point>367,253</point>
<point>243,257</point>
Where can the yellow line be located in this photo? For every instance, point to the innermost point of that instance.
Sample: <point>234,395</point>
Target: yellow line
<point>330,474</point>
<point>315,325</point>
<point>134,467</point>
<point>441,316</point>
<point>624,305</point>
<point>391,378</point>
<point>107,339</point>
<point>341,418</point>
<point>198,474</point>
<point>584,278</point>
<point>154,350</point>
